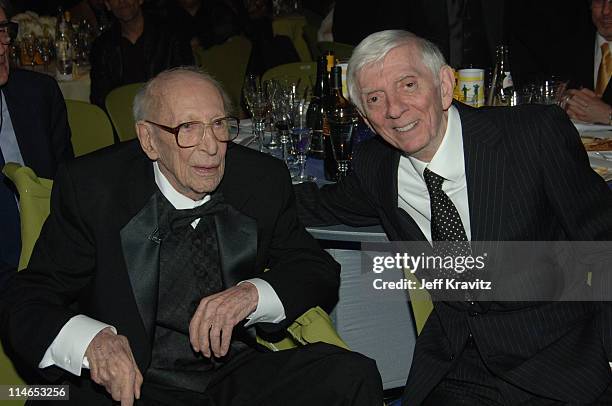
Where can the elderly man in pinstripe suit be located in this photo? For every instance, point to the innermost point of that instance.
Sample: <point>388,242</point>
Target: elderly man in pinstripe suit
<point>442,171</point>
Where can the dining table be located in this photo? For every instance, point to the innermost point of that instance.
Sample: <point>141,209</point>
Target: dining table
<point>77,88</point>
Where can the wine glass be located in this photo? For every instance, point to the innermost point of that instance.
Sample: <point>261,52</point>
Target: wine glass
<point>282,103</point>
<point>250,88</point>
<point>301,137</point>
<point>342,127</point>
<point>260,105</point>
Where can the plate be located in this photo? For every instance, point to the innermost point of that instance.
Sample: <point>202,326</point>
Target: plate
<point>601,162</point>
<point>589,127</point>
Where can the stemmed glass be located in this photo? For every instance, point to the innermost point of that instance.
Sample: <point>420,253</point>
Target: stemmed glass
<point>259,112</point>
<point>342,128</point>
<point>301,137</point>
<point>250,89</point>
<point>282,102</point>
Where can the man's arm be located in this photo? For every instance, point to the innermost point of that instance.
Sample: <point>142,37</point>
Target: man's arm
<point>346,202</point>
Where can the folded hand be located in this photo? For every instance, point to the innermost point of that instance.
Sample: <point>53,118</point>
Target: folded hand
<point>210,329</point>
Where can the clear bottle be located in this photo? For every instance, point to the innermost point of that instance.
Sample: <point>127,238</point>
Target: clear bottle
<point>315,113</point>
<point>63,49</point>
<point>502,86</point>
<point>342,119</point>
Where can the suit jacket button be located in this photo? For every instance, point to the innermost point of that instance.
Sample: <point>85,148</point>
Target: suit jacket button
<point>452,357</point>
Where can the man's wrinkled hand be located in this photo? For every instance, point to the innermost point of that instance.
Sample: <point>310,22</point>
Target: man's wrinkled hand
<point>113,366</point>
<point>584,105</point>
<point>210,329</point>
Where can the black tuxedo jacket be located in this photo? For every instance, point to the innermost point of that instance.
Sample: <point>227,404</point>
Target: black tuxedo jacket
<point>528,179</point>
<point>40,121</point>
<point>584,66</point>
<point>97,254</point>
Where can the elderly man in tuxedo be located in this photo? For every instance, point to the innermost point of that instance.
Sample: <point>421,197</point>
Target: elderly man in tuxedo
<point>34,132</point>
<point>592,101</point>
<point>442,171</point>
<point>150,270</point>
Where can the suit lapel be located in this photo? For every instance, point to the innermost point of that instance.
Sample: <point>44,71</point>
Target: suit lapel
<point>485,173</point>
<point>406,228</point>
<point>18,108</point>
<point>141,253</point>
<point>138,239</point>
<point>237,240</point>
<point>236,231</point>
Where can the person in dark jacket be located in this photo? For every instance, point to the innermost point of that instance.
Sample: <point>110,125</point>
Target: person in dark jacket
<point>135,49</point>
<point>34,132</point>
<point>204,23</point>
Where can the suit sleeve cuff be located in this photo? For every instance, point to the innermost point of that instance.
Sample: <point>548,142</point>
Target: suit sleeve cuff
<point>269,308</point>
<point>67,350</point>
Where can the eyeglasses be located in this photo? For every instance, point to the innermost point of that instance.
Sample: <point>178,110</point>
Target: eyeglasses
<point>599,3</point>
<point>8,32</point>
<point>190,134</point>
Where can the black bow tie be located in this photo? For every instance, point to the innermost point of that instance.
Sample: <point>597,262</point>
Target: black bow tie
<point>181,218</point>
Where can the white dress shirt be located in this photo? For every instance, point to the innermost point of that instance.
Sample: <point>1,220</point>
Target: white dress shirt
<point>598,43</point>
<point>447,162</point>
<point>67,350</point>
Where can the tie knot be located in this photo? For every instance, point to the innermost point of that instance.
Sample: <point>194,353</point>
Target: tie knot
<point>433,180</point>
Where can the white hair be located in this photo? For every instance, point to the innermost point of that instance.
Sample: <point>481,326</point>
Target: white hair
<point>375,47</point>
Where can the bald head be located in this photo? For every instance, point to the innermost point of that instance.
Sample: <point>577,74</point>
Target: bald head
<point>151,99</point>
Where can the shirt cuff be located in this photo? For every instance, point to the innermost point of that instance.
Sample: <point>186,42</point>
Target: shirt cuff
<point>269,307</point>
<point>67,350</point>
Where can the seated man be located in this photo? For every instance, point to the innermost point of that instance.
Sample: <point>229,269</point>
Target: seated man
<point>442,171</point>
<point>153,258</point>
<point>204,23</point>
<point>592,101</point>
<point>34,131</point>
<point>136,48</point>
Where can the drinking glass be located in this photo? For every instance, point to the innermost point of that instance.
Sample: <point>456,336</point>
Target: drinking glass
<point>259,113</point>
<point>250,91</point>
<point>301,137</point>
<point>342,128</point>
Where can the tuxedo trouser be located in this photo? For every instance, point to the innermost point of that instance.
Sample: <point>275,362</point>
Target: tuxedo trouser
<point>470,383</point>
<point>316,374</point>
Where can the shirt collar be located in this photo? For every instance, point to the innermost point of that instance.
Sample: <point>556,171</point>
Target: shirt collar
<point>178,200</point>
<point>601,40</point>
<point>444,161</point>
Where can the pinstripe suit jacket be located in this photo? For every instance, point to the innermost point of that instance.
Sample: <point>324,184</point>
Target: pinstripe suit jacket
<point>528,179</point>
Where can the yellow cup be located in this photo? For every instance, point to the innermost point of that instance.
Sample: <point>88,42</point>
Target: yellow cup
<point>470,87</point>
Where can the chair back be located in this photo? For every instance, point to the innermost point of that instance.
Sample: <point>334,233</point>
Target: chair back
<point>420,300</point>
<point>90,127</point>
<point>119,107</point>
<point>306,72</point>
<point>292,26</point>
<point>34,196</point>
<point>341,51</point>
<point>227,63</point>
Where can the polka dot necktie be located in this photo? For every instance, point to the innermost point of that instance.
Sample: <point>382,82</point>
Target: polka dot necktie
<point>446,223</point>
